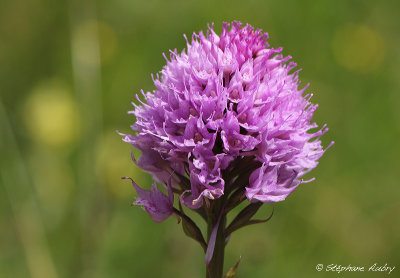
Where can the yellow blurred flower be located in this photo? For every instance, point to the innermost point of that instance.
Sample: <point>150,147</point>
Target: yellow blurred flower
<point>50,114</point>
<point>358,48</point>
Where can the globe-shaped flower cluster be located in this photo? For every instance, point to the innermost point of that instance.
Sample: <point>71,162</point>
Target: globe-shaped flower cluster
<point>227,114</point>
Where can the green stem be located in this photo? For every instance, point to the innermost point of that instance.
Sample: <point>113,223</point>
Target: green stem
<point>216,265</point>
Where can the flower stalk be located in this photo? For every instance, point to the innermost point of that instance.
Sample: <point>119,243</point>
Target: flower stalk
<point>216,224</point>
<point>216,265</point>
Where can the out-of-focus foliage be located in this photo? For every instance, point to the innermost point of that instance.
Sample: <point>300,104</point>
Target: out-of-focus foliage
<point>68,71</point>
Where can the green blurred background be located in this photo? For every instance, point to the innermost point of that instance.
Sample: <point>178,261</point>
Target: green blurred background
<point>68,72</point>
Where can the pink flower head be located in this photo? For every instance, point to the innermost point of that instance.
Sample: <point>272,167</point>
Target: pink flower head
<point>227,98</point>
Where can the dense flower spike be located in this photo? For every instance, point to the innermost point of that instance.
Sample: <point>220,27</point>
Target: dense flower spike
<point>227,99</point>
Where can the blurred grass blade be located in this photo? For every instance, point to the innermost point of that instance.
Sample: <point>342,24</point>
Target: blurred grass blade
<point>24,209</point>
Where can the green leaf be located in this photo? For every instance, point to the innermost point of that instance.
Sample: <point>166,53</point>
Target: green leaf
<point>244,218</point>
<point>191,230</point>
<point>257,221</point>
